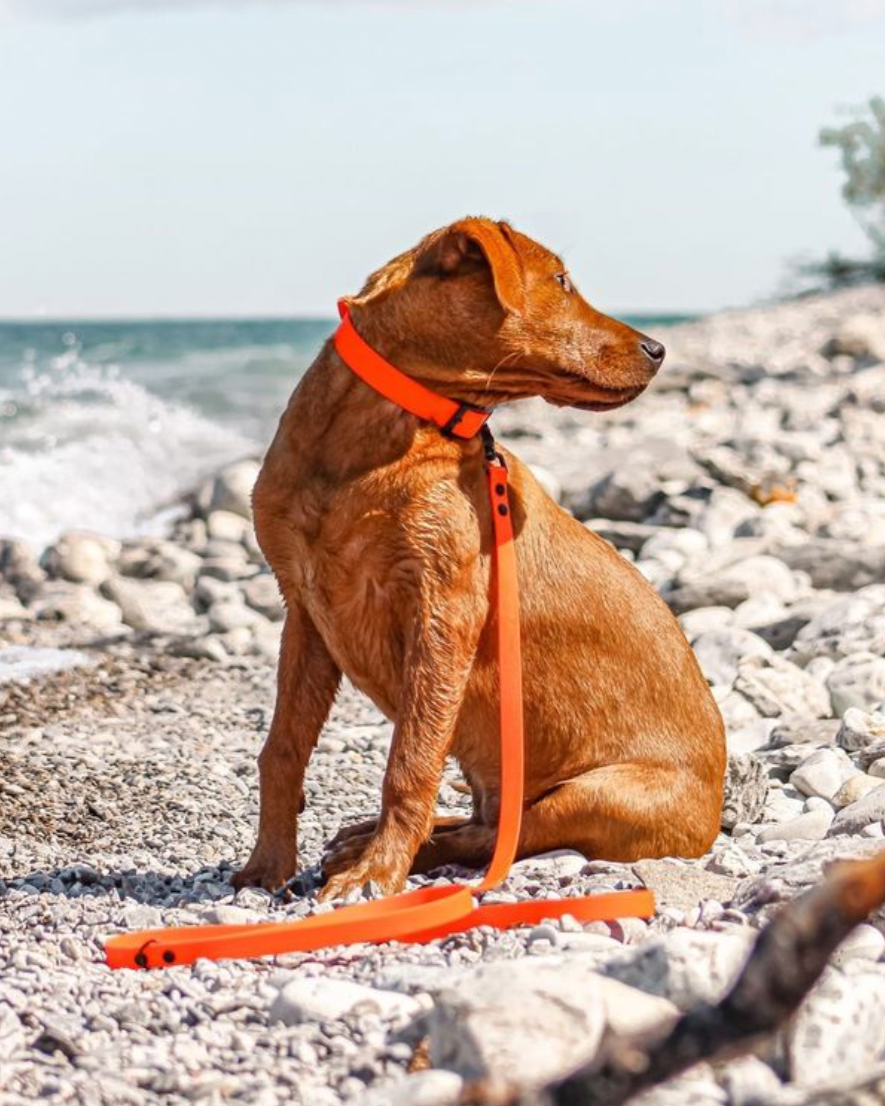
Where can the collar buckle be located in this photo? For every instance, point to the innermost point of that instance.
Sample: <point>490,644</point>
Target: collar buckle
<point>449,429</point>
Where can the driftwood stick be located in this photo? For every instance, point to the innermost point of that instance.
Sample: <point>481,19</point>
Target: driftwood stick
<point>787,959</point>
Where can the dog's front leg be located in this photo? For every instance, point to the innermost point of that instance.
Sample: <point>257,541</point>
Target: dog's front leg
<point>439,660</point>
<point>307,679</point>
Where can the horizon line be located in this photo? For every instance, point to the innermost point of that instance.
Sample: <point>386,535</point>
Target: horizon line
<point>275,317</point>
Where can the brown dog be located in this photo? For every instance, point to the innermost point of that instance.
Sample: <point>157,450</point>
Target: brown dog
<point>378,530</point>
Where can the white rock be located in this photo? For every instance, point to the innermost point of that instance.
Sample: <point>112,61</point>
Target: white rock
<point>759,610</point>
<point>748,737</point>
<point>632,1013</point>
<point>782,808</point>
<point>232,614</point>
<point>861,337</point>
<point>201,647</point>
<point>720,652</point>
<point>699,621</point>
<point>232,489</point>
<point>12,609</point>
<point>155,606</point>
<point>860,729</point>
<point>478,1028</point>
<point>877,768</point>
<point>19,568</point>
<point>748,1081</point>
<point>823,773</point>
<point>224,914</point>
<point>160,560</point>
<point>811,826</point>
<point>12,1033</point>
<point>424,1088</point>
<point>854,788</point>
<point>820,667</point>
<point>559,864</point>
<point>857,681</point>
<point>866,811</point>
<point>865,942</point>
<point>763,573</point>
<point>839,1028</point>
<point>80,557</point>
<point>210,590</point>
<point>735,710</point>
<point>675,547</point>
<point>726,509</point>
<point>319,998</point>
<point>263,594</point>
<point>799,729</point>
<point>266,640</point>
<point>176,565</point>
<point>849,624</point>
<point>226,526</point>
<point>776,687</point>
<point>77,604</point>
<point>686,966</point>
<point>656,572</point>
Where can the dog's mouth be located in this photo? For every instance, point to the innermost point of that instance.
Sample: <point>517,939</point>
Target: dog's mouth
<point>598,398</point>
<point>626,395</point>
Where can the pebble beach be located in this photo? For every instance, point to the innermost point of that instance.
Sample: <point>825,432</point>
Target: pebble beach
<point>137,684</point>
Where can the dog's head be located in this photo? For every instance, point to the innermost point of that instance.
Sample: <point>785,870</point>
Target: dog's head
<point>487,315</point>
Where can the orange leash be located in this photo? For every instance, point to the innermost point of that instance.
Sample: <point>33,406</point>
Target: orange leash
<point>429,912</point>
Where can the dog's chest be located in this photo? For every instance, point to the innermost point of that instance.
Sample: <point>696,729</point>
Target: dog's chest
<point>358,580</point>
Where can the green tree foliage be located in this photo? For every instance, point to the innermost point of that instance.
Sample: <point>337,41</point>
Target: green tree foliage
<point>861,146</point>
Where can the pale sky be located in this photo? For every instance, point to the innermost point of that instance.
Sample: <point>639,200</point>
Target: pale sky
<point>212,157</point>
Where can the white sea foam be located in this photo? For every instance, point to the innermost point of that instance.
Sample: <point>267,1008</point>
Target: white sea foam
<point>93,450</point>
<point>20,663</point>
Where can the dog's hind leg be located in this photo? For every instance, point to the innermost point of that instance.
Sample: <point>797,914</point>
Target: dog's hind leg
<point>307,681</point>
<point>621,812</point>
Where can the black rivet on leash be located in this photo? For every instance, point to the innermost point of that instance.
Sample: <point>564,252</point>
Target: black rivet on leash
<point>500,489</point>
<point>502,509</point>
<point>169,956</point>
<point>141,960</point>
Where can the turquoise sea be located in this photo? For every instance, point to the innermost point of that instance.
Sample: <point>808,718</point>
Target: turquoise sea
<point>104,424</point>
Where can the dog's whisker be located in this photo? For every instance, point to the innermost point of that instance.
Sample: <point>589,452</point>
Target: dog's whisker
<point>509,357</point>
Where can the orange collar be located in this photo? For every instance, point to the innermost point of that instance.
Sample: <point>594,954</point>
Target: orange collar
<point>455,420</point>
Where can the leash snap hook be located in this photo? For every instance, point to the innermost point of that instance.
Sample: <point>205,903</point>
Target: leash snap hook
<point>493,455</point>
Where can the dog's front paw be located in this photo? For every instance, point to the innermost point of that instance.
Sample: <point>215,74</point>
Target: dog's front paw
<point>360,862</point>
<point>271,873</point>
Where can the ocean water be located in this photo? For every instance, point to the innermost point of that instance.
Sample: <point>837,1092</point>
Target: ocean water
<point>104,424</point>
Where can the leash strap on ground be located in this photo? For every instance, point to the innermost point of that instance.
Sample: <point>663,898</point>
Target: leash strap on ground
<point>429,912</point>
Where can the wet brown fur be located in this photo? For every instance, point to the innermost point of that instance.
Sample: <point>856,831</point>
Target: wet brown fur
<point>378,530</point>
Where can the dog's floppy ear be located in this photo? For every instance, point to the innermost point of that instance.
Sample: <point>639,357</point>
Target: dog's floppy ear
<point>471,244</point>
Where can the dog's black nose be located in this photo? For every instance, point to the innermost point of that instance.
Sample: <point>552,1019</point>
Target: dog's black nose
<point>654,351</point>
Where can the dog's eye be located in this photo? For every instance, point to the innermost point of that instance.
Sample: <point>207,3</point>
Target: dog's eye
<point>562,279</point>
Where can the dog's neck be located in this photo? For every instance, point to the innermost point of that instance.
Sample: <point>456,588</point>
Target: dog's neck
<point>392,335</point>
<point>331,404</point>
